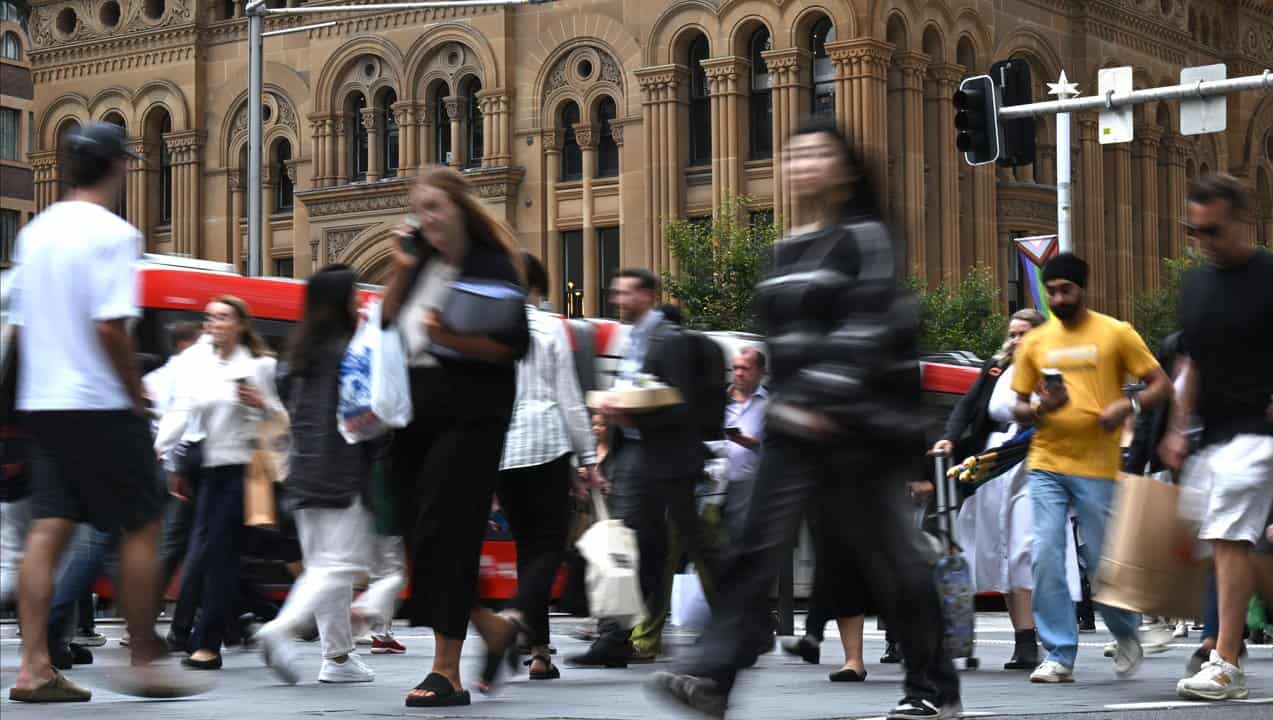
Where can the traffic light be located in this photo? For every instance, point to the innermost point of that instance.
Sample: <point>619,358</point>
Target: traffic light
<point>1016,135</point>
<point>977,120</point>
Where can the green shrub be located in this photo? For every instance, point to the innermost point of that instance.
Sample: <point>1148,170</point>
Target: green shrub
<point>967,316</point>
<point>1156,311</point>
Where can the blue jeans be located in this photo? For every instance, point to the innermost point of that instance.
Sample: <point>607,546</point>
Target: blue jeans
<point>1053,496</point>
<point>80,568</point>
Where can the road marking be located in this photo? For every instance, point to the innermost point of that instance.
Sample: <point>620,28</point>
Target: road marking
<point>1168,704</point>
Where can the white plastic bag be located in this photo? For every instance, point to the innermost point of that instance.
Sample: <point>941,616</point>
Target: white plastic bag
<point>375,394</point>
<point>689,604</point>
<point>614,585</point>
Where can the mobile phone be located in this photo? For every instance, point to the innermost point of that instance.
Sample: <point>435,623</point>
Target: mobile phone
<point>413,241</point>
<point>1052,378</point>
<point>733,431</point>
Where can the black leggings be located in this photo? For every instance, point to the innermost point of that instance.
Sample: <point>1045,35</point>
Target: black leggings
<point>536,502</point>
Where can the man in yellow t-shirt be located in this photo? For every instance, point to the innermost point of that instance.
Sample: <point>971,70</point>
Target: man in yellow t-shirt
<point>1076,364</point>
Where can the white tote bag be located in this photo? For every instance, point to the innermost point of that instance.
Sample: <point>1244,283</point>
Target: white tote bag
<point>375,394</point>
<point>689,604</point>
<point>614,585</point>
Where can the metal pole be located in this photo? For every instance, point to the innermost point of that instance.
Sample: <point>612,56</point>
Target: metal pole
<point>256,22</point>
<point>1064,90</point>
<point>1109,101</point>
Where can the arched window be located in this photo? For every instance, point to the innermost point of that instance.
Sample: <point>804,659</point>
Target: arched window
<point>357,137</point>
<point>473,131</point>
<point>11,47</point>
<point>388,133</point>
<point>823,70</point>
<point>607,148</point>
<point>283,197</point>
<point>700,105</point>
<point>228,8</point>
<point>441,127</point>
<point>760,102</point>
<point>121,202</point>
<point>67,128</point>
<point>571,155</point>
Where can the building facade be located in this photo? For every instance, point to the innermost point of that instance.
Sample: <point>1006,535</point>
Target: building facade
<point>589,124</point>
<point>17,129</point>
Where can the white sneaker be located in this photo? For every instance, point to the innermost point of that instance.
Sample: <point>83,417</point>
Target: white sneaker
<point>1111,649</point>
<point>1052,672</point>
<point>1217,680</point>
<point>1182,630</point>
<point>1128,656</point>
<point>1156,639</point>
<point>280,655</point>
<point>364,639</point>
<point>351,671</point>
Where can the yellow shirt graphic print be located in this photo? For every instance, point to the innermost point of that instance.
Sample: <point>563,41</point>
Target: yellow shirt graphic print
<point>1095,358</point>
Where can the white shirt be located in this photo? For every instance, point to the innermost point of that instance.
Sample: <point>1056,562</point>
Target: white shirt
<point>206,405</point>
<point>430,293</point>
<point>75,268</point>
<point>549,417</point>
<point>749,418</point>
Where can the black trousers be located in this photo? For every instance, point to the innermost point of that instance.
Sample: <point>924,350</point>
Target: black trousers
<point>536,502</point>
<point>213,561</point>
<point>874,523</point>
<point>651,507</point>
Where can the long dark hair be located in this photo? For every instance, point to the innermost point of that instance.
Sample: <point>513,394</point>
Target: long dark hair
<point>329,297</point>
<point>863,201</point>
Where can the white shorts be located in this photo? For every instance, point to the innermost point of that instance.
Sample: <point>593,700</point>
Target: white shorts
<point>1240,474</point>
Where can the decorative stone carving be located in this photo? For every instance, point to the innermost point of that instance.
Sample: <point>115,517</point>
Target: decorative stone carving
<point>387,195</point>
<point>568,70</point>
<point>586,136</point>
<point>369,118</point>
<point>281,112</point>
<point>497,183</point>
<point>552,140</point>
<point>404,113</point>
<point>616,132</point>
<point>456,108</point>
<point>45,32</point>
<point>291,171</point>
<point>339,239</point>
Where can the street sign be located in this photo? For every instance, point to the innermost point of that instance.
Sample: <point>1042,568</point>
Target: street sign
<point>1208,114</point>
<point>1116,123</point>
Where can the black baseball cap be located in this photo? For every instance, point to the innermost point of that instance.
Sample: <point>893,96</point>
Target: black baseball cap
<point>100,141</point>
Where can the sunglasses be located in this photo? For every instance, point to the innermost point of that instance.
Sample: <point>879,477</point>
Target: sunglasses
<point>1192,230</point>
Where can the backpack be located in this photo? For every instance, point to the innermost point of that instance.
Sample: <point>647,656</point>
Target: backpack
<point>707,397</point>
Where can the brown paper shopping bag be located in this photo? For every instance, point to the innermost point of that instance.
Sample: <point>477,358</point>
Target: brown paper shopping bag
<point>1149,562</point>
<point>258,492</point>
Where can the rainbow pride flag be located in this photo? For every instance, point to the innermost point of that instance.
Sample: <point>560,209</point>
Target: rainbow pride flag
<point>1035,251</point>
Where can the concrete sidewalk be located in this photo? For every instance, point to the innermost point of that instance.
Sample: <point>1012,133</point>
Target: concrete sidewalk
<point>779,687</point>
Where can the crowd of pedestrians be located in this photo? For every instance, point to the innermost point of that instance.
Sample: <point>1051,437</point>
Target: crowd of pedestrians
<point>822,425</point>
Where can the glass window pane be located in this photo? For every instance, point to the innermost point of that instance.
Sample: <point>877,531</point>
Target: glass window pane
<point>476,136</point>
<point>10,126</point>
<point>572,266</point>
<point>571,155</point>
<point>608,240</point>
<point>9,220</point>
<point>607,149</point>
<point>441,128</point>
<point>359,144</point>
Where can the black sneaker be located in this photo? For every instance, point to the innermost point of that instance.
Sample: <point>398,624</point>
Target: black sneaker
<point>604,654</point>
<point>892,654</point>
<point>688,692</point>
<point>910,708</point>
<point>805,648</point>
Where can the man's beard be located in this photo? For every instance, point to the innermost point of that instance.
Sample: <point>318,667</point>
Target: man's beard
<point>1065,311</point>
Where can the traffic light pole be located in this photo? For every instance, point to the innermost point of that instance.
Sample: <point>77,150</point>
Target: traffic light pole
<point>256,12</point>
<point>1064,183</point>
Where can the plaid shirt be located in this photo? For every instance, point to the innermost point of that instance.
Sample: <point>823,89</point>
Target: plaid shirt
<point>549,417</point>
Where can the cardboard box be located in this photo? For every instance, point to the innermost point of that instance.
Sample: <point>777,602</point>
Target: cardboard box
<point>637,399</point>
<point>1150,562</point>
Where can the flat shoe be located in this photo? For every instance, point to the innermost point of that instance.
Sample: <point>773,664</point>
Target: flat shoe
<point>443,694</point>
<point>847,675</point>
<point>57,690</point>
<point>552,673</point>
<point>213,664</point>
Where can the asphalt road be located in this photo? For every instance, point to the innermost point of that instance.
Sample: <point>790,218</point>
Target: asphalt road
<point>780,687</point>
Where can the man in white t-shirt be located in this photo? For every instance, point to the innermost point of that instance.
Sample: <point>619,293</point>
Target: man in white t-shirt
<point>74,296</point>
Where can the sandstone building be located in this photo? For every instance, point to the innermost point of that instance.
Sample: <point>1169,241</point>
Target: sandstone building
<point>587,124</point>
<point>17,123</point>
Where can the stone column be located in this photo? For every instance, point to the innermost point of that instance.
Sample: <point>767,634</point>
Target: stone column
<point>404,114</point>
<point>985,205</point>
<point>269,187</point>
<point>861,98</point>
<point>341,148</point>
<point>44,174</point>
<point>551,140</point>
<point>663,162</point>
<point>913,67</point>
<point>1089,192</point>
<point>455,112</point>
<point>371,123</point>
<point>786,73</point>
<point>946,79</point>
<point>1120,286</point>
<point>726,78</point>
<point>496,142</point>
<point>237,211</point>
<point>1145,245</point>
<point>586,136</point>
<point>424,135</point>
<point>1177,150</point>
<point>135,213</point>
<point>183,149</point>
<point>318,146</point>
